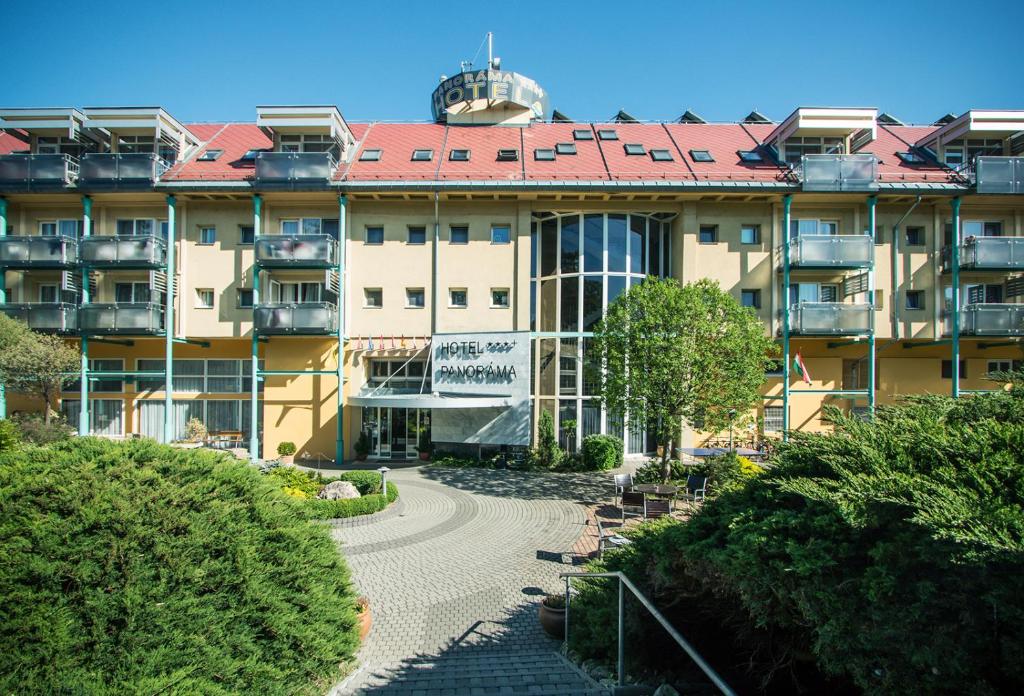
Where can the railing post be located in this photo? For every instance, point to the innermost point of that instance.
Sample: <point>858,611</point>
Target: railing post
<point>169,326</point>
<point>254,437</point>
<point>621,670</point>
<point>787,202</point>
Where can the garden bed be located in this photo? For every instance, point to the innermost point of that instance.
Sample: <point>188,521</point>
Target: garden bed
<point>304,486</point>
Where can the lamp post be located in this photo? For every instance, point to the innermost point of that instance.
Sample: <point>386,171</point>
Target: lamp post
<point>732,416</point>
<point>383,471</point>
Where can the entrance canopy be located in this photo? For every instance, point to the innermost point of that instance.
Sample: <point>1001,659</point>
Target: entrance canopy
<point>434,400</point>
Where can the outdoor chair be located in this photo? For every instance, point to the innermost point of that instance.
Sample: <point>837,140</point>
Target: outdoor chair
<point>657,507</point>
<point>623,482</point>
<point>696,487</point>
<point>607,538</point>
<point>632,503</point>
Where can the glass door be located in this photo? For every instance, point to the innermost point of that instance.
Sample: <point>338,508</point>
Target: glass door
<point>399,432</point>
<point>384,433</point>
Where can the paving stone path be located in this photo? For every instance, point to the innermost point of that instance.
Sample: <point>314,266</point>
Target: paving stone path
<point>454,572</point>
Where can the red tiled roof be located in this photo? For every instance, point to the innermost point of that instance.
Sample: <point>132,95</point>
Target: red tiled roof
<point>396,141</point>
<point>586,165</point>
<point>9,144</point>
<point>641,167</point>
<point>723,141</point>
<point>893,139</point>
<point>235,139</point>
<point>483,143</point>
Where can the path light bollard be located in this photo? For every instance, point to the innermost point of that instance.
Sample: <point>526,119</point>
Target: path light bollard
<point>383,471</point>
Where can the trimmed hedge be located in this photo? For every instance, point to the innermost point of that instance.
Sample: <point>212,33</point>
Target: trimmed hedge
<point>304,486</point>
<point>601,452</point>
<point>133,567</point>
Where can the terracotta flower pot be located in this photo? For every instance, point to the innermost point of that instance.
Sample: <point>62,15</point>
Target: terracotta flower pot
<point>365,622</point>
<point>424,456</point>
<point>287,459</point>
<point>552,620</point>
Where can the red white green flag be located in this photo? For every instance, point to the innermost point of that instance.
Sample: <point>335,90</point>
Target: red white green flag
<point>801,368</point>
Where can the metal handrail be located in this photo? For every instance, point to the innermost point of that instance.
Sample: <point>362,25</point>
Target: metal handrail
<point>649,606</point>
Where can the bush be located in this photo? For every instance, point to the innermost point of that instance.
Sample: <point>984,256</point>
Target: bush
<point>286,449</point>
<point>651,471</point>
<point>133,567</point>
<point>547,454</point>
<point>362,445</point>
<point>601,452</point>
<point>195,431</point>
<point>35,430</point>
<point>305,485</point>
<point>10,436</point>
<point>451,461</point>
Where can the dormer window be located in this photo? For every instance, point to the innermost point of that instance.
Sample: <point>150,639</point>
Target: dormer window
<point>508,155</point>
<point>210,156</point>
<point>60,145</point>
<point>608,134</point>
<point>422,155</point>
<point>634,149</point>
<point>750,156</point>
<point>566,148</point>
<point>459,155</point>
<point>959,152</point>
<point>797,147</point>
<point>309,142</point>
<point>544,155</point>
<point>910,158</point>
<point>371,155</point>
<point>582,134</point>
<point>701,156</point>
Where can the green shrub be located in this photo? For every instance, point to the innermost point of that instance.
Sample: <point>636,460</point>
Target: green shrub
<point>452,462</point>
<point>35,430</point>
<point>132,567</point>
<point>362,445</point>
<point>547,454</point>
<point>286,449</point>
<point>10,436</point>
<point>601,452</point>
<point>305,485</point>
<point>650,472</point>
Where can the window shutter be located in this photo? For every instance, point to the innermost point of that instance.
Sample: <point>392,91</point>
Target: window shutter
<point>975,294</point>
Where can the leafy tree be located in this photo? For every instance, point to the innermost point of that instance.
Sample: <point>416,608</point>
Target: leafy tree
<point>680,354</point>
<point>33,363</point>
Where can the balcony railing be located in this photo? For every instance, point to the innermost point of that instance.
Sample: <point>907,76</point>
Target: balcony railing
<point>988,254</point>
<point>305,318</point>
<point>830,318</point>
<point>126,319</point>
<point>999,174</point>
<point>38,252</point>
<point>839,173</point>
<point>121,169</point>
<point>25,172</point>
<point>125,251</point>
<point>297,251</point>
<point>56,317</point>
<point>832,251</point>
<point>292,168</point>
<point>985,319</point>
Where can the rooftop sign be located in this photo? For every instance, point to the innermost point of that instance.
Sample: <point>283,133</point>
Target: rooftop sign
<point>484,90</point>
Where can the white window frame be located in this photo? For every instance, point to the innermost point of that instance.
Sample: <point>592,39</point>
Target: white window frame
<point>451,298</point>
<point>367,293</point>
<point>508,298</point>
<point>297,289</point>
<point>423,298</point>
<point>774,424</point>
<point>212,230</point>
<point>1000,366</point>
<point>201,295</point>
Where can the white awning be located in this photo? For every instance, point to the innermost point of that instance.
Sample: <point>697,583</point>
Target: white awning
<point>435,400</point>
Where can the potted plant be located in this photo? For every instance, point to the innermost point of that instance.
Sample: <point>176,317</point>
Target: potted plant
<point>364,616</point>
<point>552,615</point>
<point>286,452</point>
<point>362,446</point>
<point>424,446</point>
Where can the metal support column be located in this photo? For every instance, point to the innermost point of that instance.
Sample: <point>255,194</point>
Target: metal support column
<point>169,325</point>
<point>254,436</point>
<point>787,202</point>
<point>83,404</point>
<point>872,203</point>
<point>339,445</point>
<point>3,297</point>
<point>955,309</point>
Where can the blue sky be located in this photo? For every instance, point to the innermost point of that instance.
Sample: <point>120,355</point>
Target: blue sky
<point>216,61</point>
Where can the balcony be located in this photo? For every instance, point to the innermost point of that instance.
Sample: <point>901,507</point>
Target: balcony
<point>50,317</point>
<point>38,252</point>
<point>293,169</point>
<point>988,254</point>
<point>831,319</point>
<point>297,251</point>
<point>125,252</point>
<point>111,170</point>
<point>999,174</point>
<point>296,319</point>
<point>123,319</point>
<point>25,172</point>
<point>839,173</point>
<point>832,251</point>
<point>983,319</point>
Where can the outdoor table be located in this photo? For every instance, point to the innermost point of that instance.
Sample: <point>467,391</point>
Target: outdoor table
<point>658,490</point>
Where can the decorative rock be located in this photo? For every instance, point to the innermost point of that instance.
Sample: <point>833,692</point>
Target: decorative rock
<point>338,490</point>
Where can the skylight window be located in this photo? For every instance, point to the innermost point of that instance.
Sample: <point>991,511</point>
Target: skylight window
<point>582,134</point>
<point>566,148</point>
<point>422,155</point>
<point>701,156</point>
<point>661,156</point>
<point>371,155</point>
<point>210,155</point>
<point>459,155</point>
<point>634,149</point>
<point>544,155</point>
<point>508,155</point>
<point>910,158</point>
<point>750,156</point>
<point>608,134</point>
<point>250,155</point>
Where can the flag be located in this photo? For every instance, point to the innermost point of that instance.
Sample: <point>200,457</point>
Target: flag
<point>370,343</point>
<point>403,341</point>
<point>801,368</point>
<point>359,343</point>
<point>415,345</point>
<point>381,337</point>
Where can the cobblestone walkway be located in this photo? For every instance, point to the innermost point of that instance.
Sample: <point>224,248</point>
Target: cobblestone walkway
<point>454,572</point>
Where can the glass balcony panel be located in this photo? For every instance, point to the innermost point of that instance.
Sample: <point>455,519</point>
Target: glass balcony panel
<point>293,167</point>
<point>25,171</point>
<point>109,168</point>
<point>833,251</point>
<point>56,317</point>
<point>831,318</point>
<point>297,251</point>
<point>992,253</point>
<point>125,318</point>
<point>139,251</point>
<point>839,173</point>
<point>297,318</point>
<point>992,320</point>
<point>999,174</point>
<point>38,252</point>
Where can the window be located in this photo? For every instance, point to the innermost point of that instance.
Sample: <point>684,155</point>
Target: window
<point>915,299</point>
<point>459,155</point>
<point>207,235</point>
<point>566,148</point>
<point>582,134</point>
<point>544,155</point>
<point>661,156</point>
<point>458,297</point>
<point>204,298</point>
<point>797,147</point>
<point>417,235</point>
<point>245,298</point>
<point>210,156</point>
<point>458,234</point>
<point>126,293</point>
<point>811,227</point>
<point>373,297</point>
<point>607,134</point>
<point>910,158</point>
<point>508,155</point>
<point>750,234</point>
<point>749,156</point>
<point>143,226</point>
<point>701,156</point>
<point>750,298</point>
<point>499,298</point>
<point>829,292</point>
<point>773,419</point>
<point>374,235</point>
<point>774,369</point>
<point>370,155</point>
<point>246,234</point>
<point>48,293</point>
<point>947,369</point>
<point>634,149</point>
<point>915,236</point>
<point>250,155</point>
<point>310,143</point>
<point>708,234</point>
<point>414,298</point>
<point>997,366</point>
<point>296,293</point>
<point>501,234</point>
<point>63,228</point>
<point>422,155</point>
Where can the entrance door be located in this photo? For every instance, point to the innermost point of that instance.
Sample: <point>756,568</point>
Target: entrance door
<point>399,432</point>
<point>384,433</point>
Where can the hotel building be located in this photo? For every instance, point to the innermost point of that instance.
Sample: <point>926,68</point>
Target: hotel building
<point>303,278</point>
